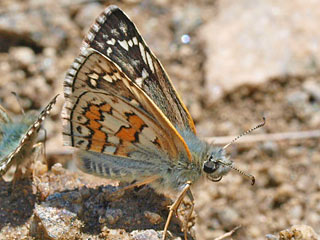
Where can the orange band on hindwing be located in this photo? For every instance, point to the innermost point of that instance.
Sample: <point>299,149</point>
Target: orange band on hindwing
<point>99,138</point>
<point>131,133</point>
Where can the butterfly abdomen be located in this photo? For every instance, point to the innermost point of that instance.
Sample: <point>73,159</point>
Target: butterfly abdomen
<point>115,167</point>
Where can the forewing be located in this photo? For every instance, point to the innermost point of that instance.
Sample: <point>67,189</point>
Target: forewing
<point>106,112</point>
<point>115,36</point>
<point>7,161</point>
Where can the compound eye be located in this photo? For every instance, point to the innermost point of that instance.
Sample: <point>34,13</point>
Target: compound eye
<point>210,167</point>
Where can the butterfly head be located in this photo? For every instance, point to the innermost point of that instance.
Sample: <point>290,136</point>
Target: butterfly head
<point>217,164</point>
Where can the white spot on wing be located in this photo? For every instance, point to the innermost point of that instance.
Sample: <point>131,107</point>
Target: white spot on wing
<point>93,75</point>
<point>109,51</point>
<point>139,81</point>
<point>110,149</point>
<point>146,141</point>
<point>112,41</point>
<point>135,40</point>
<point>135,103</point>
<point>130,43</point>
<point>93,82</point>
<point>142,52</point>
<point>124,44</point>
<point>113,139</point>
<point>145,74</point>
<point>108,78</point>
<point>150,62</point>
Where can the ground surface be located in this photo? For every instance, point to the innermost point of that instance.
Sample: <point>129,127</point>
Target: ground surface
<point>245,59</point>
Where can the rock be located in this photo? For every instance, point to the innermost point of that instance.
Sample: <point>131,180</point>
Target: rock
<point>312,87</point>
<point>302,232</point>
<point>153,218</point>
<point>252,41</point>
<point>113,215</point>
<point>35,24</point>
<point>54,223</point>
<point>145,235</point>
<point>23,55</point>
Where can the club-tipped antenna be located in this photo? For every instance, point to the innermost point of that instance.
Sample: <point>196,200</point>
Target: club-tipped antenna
<point>251,177</point>
<point>18,101</point>
<point>247,132</point>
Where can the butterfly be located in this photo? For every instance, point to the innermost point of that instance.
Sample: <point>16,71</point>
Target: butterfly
<point>17,138</point>
<point>127,120</point>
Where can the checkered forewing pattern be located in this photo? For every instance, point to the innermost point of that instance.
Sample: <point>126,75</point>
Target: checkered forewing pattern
<point>115,36</point>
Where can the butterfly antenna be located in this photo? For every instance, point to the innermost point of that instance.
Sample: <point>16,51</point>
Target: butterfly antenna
<point>246,132</point>
<point>251,177</point>
<point>19,102</point>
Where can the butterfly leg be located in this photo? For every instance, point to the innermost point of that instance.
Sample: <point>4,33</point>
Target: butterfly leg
<point>174,207</point>
<point>185,224</point>
<point>40,164</point>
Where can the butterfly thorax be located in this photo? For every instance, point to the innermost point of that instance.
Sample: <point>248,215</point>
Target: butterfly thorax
<point>207,160</point>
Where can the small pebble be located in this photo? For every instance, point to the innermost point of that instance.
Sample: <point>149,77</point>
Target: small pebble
<point>153,218</point>
<point>113,215</point>
<point>149,234</point>
<point>24,55</point>
<point>57,169</point>
<point>299,232</point>
<point>312,87</point>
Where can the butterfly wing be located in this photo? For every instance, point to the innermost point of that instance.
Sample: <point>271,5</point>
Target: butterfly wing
<point>106,112</point>
<point>115,36</point>
<point>4,119</point>
<point>6,160</point>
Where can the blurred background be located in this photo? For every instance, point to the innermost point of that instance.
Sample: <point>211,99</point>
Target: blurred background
<point>232,62</point>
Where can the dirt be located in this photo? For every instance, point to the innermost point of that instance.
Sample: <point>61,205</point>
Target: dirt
<point>38,42</point>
